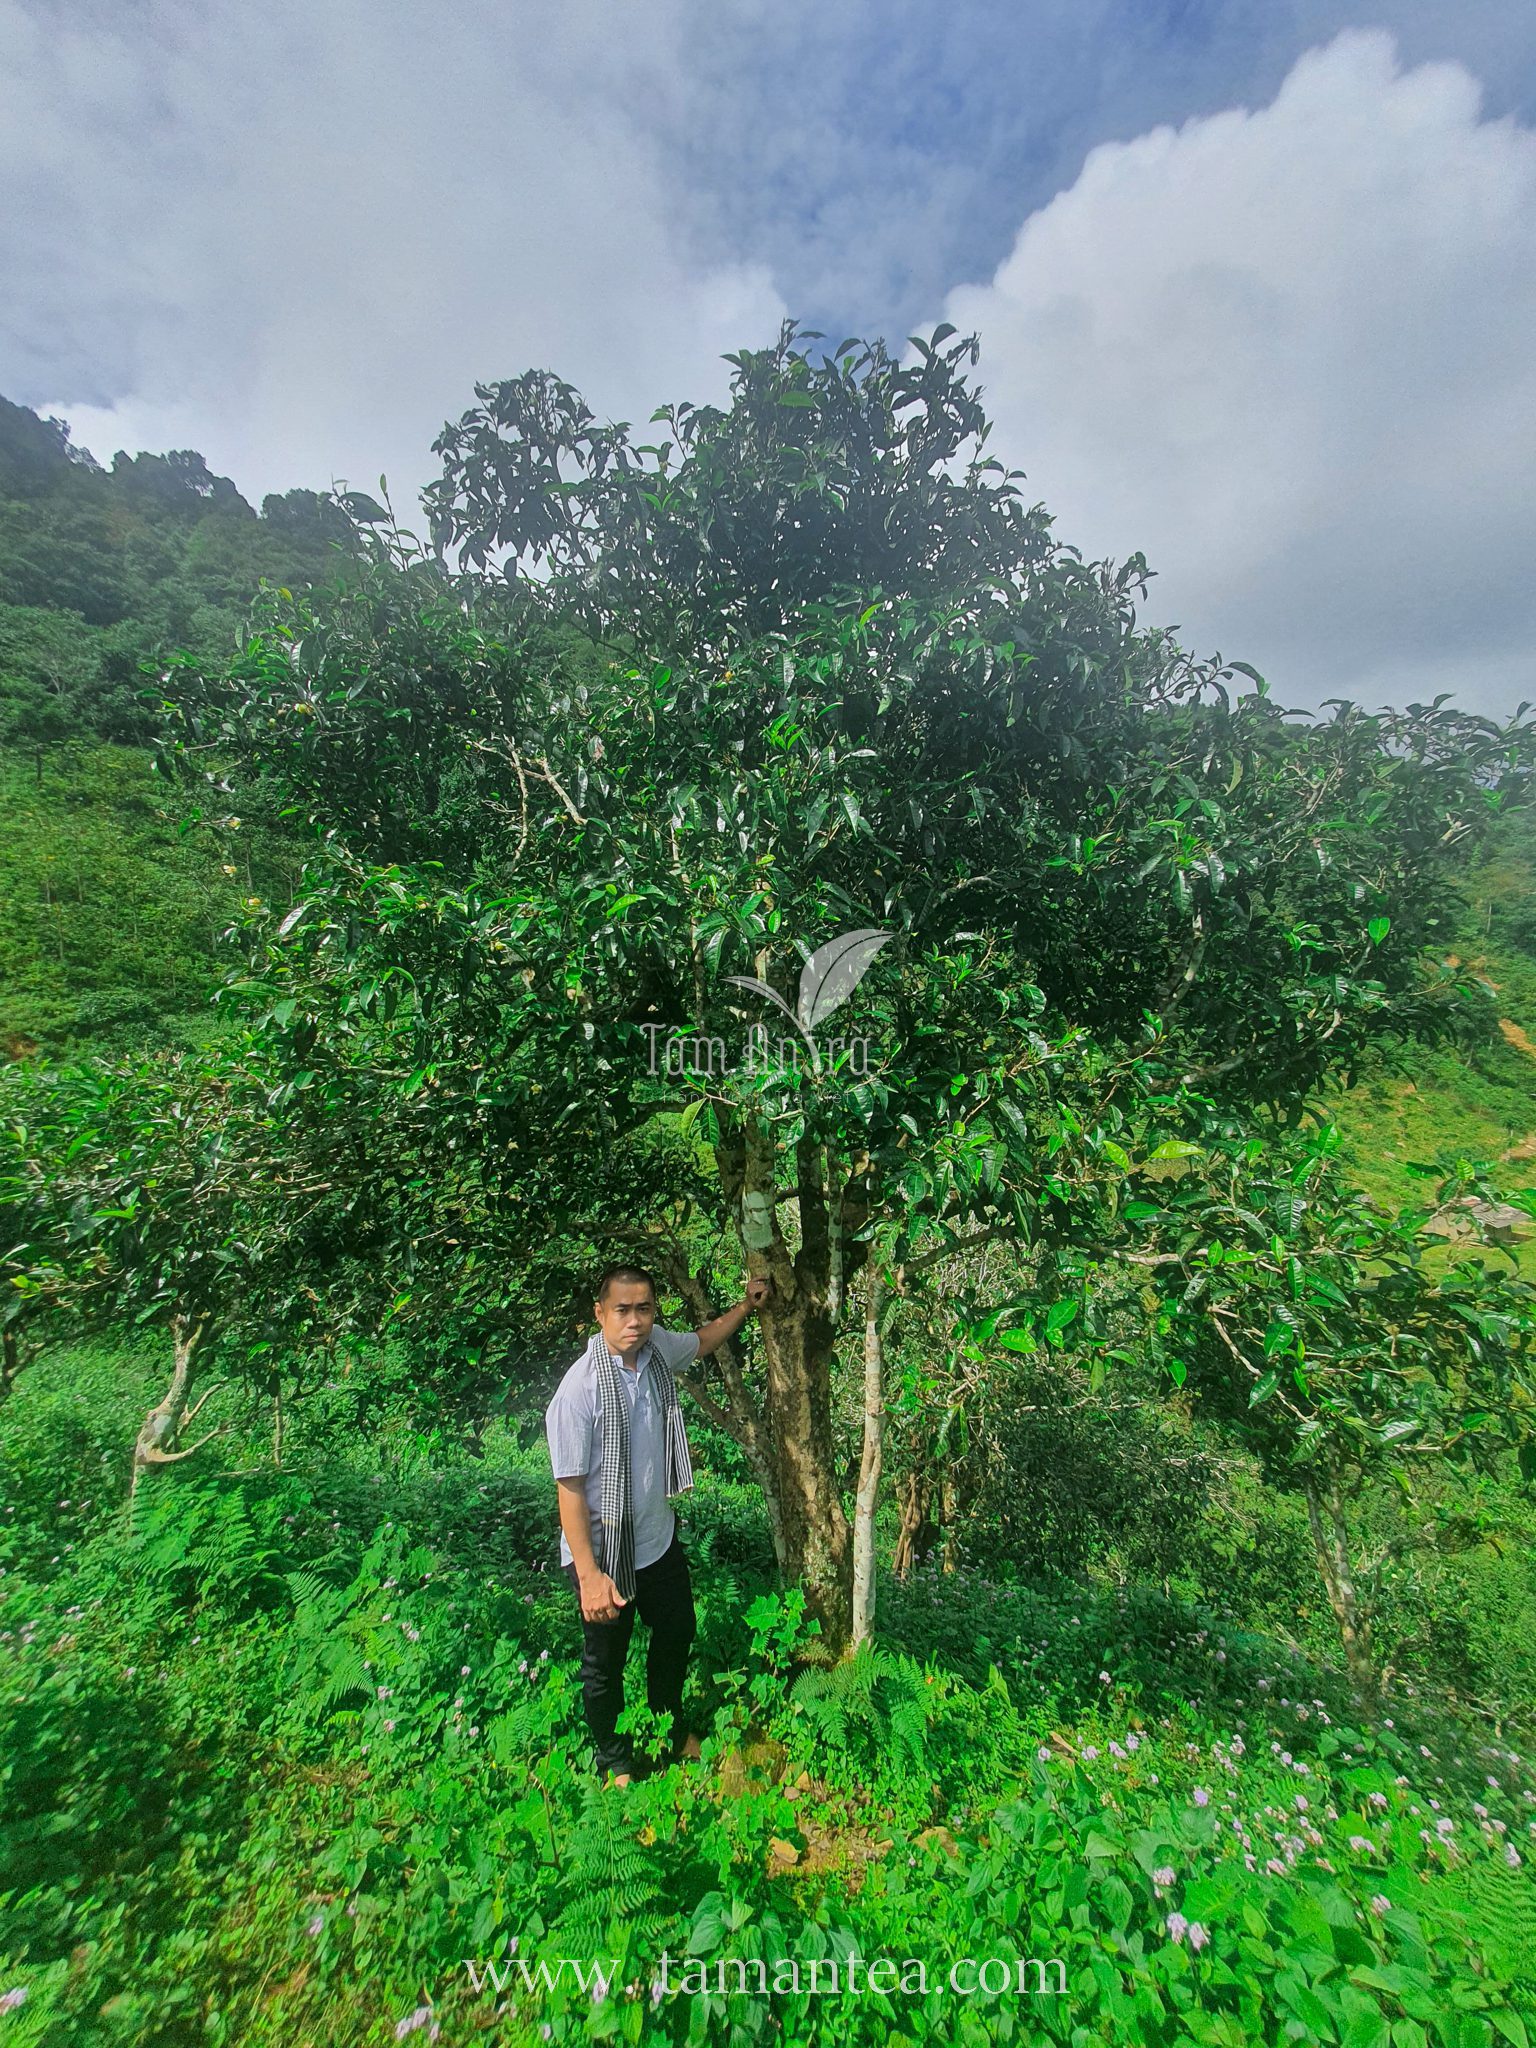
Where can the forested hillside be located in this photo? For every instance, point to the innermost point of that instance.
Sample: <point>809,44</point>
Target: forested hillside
<point>1114,1542</point>
<point>100,569</point>
<point>113,914</point>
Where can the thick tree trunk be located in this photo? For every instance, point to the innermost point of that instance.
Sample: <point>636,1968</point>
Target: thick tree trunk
<point>162,1426</point>
<point>10,1359</point>
<point>797,1408</point>
<point>1330,1540</point>
<point>863,1609</point>
<point>799,1334</point>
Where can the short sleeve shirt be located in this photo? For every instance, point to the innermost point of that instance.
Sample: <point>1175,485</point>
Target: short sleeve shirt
<point>573,1423</point>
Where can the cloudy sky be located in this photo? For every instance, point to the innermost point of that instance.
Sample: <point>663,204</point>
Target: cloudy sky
<point>1254,280</point>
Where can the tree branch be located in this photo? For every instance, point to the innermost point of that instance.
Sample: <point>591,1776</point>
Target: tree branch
<point>553,781</point>
<point>1004,1232</point>
<point>155,1456</point>
<point>191,1413</point>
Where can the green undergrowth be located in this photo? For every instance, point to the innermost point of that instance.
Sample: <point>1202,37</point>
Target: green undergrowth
<point>298,1757</point>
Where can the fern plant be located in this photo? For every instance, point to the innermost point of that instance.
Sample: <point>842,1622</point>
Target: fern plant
<point>873,1708</point>
<point>1496,1908</point>
<point>200,1543</point>
<point>615,1889</point>
<point>322,1664</point>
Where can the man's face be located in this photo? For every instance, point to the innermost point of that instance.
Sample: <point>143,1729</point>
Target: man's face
<point>625,1318</point>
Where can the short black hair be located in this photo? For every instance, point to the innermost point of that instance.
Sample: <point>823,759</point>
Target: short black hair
<point>611,1273</point>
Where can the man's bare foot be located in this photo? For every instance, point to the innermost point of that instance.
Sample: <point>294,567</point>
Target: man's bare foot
<point>619,1778</point>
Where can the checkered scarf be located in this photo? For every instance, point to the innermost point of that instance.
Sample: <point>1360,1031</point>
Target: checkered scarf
<point>617,1551</point>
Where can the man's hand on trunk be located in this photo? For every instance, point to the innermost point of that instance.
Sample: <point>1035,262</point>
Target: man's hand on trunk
<point>722,1328</point>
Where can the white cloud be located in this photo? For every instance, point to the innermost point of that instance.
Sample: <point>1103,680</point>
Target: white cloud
<point>1287,354</point>
<point>1285,351</point>
<point>295,239</point>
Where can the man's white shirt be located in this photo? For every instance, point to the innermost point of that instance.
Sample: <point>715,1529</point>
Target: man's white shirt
<point>573,1423</point>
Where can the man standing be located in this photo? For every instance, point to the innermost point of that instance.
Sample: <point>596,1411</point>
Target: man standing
<point>618,1449</point>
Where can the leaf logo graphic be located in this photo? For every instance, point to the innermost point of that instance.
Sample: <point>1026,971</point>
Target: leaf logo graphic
<point>827,979</point>
<point>833,972</point>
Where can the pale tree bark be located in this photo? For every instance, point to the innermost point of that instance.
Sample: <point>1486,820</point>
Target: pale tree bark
<point>162,1426</point>
<point>1330,1540</point>
<point>863,1608</point>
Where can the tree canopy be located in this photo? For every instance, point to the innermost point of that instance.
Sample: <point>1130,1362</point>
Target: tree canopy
<point>839,678</point>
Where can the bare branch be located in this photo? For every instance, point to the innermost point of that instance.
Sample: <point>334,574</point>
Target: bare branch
<point>153,1455</point>
<point>197,1404</point>
<point>554,783</point>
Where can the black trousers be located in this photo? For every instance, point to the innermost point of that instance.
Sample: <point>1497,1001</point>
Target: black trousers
<point>664,1600</point>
